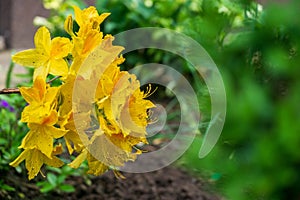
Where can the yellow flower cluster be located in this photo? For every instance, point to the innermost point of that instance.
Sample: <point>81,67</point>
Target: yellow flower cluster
<point>105,133</point>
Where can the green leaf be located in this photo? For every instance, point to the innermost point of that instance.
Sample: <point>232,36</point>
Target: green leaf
<point>41,183</point>
<point>52,179</point>
<point>19,169</point>
<point>67,188</point>
<point>47,187</point>
<point>61,179</point>
<point>3,141</point>
<point>54,169</point>
<point>7,187</point>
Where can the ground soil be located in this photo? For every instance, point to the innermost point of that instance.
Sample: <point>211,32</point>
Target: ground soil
<point>168,183</point>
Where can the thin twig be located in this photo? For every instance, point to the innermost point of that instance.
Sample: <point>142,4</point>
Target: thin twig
<point>17,90</point>
<point>10,91</point>
<point>53,79</point>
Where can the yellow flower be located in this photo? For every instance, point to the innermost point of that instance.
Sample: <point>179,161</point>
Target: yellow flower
<point>40,92</point>
<point>42,100</point>
<point>40,136</point>
<point>102,129</point>
<point>84,44</point>
<point>121,104</point>
<point>47,57</point>
<point>41,116</point>
<point>66,91</point>
<point>122,113</point>
<point>134,116</point>
<point>114,152</point>
<point>74,138</point>
<point>88,36</point>
<point>34,159</point>
<point>89,17</point>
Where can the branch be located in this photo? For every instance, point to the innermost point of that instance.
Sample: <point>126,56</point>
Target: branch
<point>53,79</point>
<point>10,91</point>
<point>17,91</point>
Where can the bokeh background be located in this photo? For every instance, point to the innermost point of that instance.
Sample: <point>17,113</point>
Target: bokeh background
<point>256,48</point>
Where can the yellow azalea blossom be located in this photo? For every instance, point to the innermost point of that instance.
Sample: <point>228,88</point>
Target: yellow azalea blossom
<point>42,100</point>
<point>89,17</point>
<point>88,37</point>
<point>34,159</point>
<point>114,152</point>
<point>134,116</point>
<point>41,116</point>
<point>79,159</point>
<point>123,117</point>
<point>40,136</point>
<point>98,111</point>
<point>99,59</point>
<point>74,138</point>
<point>84,44</point>
<point>121,104</point>
<point>48,56</point>
<point>40,92</point>
<point>66,91</point>
<point>95,166</point>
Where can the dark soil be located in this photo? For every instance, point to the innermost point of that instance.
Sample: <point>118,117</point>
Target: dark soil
<point>168,183</point>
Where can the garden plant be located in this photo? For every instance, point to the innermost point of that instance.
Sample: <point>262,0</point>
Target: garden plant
<point>256,49</point>
<point>49,113</point>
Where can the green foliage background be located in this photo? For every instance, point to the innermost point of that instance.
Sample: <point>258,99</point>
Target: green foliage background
<point>257,51</point>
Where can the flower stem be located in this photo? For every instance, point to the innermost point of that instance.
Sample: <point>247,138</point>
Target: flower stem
<point>17,91</point>
<point>10,91</point>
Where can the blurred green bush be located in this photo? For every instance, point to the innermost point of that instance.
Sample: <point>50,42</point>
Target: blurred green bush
<point>256,49</point>
<point>257,156</point>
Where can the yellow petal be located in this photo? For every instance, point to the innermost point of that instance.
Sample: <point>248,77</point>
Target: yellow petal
<point>60,47</point>
<point>55,132</point>
<point>92,40</point>
<point>39,85</point>
<point>107,84</point>
<point>95,166</point>
<point>33,163</point>
<point>66,95</point>
<point>50,119</point>
<point>38,138</point>
<point>78,15</point>
<point>79,159</point>
<point>30,95</point>
<point>42,71</point>
<point>99,59</point>
<point>58,67</point>
<point>19,159</point>
<point>34,159</point>
<point>129,124</point>
<point>84,16</point>
<point>68,26</point>
<point>30,58</point>
<point>73,142</point>
<point>51,94</point>
<point>35,113</point>
<point>77,62</point>
<point>42,40</point>
<point>58,149</point>
<point>102,17</point>
<point>36,93</point>
<point>54,161</point>
<point>109,153</point>
<point>78,43</point>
